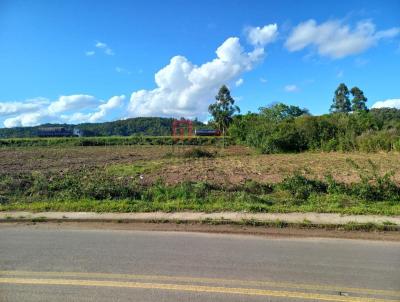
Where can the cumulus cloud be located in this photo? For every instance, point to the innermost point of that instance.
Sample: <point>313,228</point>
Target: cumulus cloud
<point>71,102</point>
<point>9,108</point>
<point>291,88</point>
<point>66,109</point>
<point>335,39</point>
<point>25,119</point>
<point>185,89</point>
<point>106,108</point>
<point>262,35</point>
<point>90,53</point>
<point>390,103</point>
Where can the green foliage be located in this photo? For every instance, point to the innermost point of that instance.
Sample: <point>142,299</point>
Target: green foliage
<point>368,131</point>
<point>358,103</point>
<point>374,185</point>
<point>278,112</point>
<point>112,190</point>
<point>341,101</point>
<point>139,126</point>
<point>301,187</point>
<point>223,109</point>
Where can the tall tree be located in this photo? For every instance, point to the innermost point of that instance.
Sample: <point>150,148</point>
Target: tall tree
<point>223,109</point>
<point>341,101</point>
<point>359,100</point>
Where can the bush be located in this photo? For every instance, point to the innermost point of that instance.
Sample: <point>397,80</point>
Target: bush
<point>253,187</point>
<point>301,187</point>
<point>374,185</point>
<point>374,141</point>
<point>198,153</point>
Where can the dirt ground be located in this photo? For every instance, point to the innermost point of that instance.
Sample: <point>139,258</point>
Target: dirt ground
<point>232,165</point>
<point>205,228</point>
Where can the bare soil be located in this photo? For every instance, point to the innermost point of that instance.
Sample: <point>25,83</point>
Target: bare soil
<point>232,165</point>
<point>205,228</point>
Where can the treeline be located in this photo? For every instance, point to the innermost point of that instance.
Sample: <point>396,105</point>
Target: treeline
<point>350,126</point>
<point>140,126</point>
<point>283,128</point>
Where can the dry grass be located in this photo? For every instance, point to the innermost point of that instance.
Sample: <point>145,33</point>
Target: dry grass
<point>273,168</point>
<point>231,165</point>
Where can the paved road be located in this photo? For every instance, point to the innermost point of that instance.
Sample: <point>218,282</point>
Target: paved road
<point>56,264</point>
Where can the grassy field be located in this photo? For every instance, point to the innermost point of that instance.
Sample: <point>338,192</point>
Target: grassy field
<point>176,178</point>
<point>111,141</point>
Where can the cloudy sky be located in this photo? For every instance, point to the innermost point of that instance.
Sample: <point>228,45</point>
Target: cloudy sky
<point>93,61</point>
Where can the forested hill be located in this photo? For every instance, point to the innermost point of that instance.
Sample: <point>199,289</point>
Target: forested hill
<point>152,126</point>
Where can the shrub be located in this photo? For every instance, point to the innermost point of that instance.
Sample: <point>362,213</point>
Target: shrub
<point>301,187</point>
<point>253,187</point>
<point>374,185</point>
<point>198,153</point>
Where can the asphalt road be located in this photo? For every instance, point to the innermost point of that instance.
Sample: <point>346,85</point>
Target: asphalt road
<point>56,264</point>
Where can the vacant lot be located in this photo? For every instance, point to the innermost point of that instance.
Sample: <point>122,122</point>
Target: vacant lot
<point>232,165</point>
<point>166,178</point>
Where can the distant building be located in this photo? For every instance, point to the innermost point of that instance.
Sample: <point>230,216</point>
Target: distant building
<point>77,132</point>
<point>58,132</point>
<point>207,132</point>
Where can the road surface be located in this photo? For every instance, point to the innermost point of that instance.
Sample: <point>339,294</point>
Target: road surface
<point>57,264</point>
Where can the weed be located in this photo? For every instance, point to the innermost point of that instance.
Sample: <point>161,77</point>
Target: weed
<point>198,153</point>
<point>301,187</point>
<point>39,219</point>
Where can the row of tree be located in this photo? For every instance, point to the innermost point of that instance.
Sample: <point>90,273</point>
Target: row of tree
<point>286,128</point>
<point>147,126</point>
<point>224,108</point>
<point>342,103</point>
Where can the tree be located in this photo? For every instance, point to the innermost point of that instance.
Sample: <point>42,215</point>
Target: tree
<point>223,109</point>
<point>341,101</point>
<point>280,111</point>
<point>359,100</point>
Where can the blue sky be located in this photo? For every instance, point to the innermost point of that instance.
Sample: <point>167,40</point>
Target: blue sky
<point>92,61</point>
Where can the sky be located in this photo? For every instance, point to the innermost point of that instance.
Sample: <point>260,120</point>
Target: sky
<point>93,61</point>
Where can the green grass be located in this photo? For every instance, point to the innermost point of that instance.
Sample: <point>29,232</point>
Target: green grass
<point>116,188</point>
<point>213,203</point>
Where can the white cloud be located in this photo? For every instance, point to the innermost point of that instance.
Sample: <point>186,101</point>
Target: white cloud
<point>24,120</point>
<point>99,115</point>
<point>239,82</point>
<point>107,50</point>
<point>100,44</point>
<point>182,89</point>
<point>291,88</point>
<point>263,80</point>
<point>62,110</point>
<point>71,102</point>
<point>335,39</point>
<point>390,103</point>
<point>90,53</point>
<point>260,36</point>
<point>185,89</point>
<point>9,108</point>
<point>104,109</point>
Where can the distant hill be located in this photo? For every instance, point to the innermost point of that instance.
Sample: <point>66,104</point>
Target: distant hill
<point>148,126</point>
